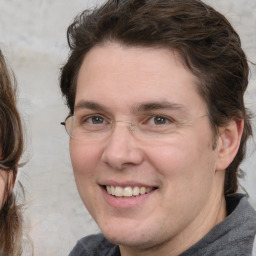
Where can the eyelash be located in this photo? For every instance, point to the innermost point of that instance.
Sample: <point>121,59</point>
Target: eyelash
<point>161,117</point>
<point>145,119</point>
<point>86,118</point>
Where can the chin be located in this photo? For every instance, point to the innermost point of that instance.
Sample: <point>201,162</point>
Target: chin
<point>131,237</point>
<point>131,242</point>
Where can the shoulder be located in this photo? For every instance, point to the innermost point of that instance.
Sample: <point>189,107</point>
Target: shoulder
<point>94,245</point>
<point>234,235</point>
<point>254,247</point>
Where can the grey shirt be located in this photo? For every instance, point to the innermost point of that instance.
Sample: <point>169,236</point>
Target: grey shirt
<point>234,236</point>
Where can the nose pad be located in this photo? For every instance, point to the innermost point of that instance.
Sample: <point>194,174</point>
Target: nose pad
<point>121,149</point>
<point>132,127</point>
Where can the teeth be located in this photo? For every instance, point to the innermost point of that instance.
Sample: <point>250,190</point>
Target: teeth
<point>142,190</point>
<point>118,191</point>
<point>109,189</point>
<point>127,191</point>
<point>136,191</point>
<point>148,190</point>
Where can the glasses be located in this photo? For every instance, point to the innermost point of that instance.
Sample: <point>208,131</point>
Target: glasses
<point>97,127</point>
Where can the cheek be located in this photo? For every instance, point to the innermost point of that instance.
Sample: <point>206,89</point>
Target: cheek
<point>187,171</point>
<point>185,159</point>
<point>83,156</point>
<point>85,159</point>
<point>3,179</point>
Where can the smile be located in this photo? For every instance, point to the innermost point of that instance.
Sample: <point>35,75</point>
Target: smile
<point>128,191</point>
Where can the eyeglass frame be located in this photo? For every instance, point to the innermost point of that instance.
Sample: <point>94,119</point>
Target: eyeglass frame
<point>132,126</point>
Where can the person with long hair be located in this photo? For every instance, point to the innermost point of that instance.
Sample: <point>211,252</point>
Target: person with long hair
<point>11,149</point>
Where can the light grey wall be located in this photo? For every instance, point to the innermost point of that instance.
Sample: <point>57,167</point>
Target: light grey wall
<point>33,37</point>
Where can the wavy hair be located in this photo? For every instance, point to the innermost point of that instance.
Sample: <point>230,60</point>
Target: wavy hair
<point>207,43</point>
<point>11,149</point>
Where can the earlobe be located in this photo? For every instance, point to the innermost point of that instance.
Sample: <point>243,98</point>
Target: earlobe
<point>229,142</point>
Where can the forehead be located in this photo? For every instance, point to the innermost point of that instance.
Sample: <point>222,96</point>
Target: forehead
<point>135,74</point>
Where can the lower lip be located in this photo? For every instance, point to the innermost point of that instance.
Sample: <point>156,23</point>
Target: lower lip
<point>126,202</point>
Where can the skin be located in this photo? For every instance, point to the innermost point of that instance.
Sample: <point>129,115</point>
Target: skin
<point>3,180</point>
<point>185,170</point>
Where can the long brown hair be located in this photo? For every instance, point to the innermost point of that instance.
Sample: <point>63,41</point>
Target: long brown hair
<point>208,44</point>
<point>11,149</point>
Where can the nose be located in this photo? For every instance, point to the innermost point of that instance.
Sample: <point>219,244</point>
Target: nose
<point>121,149</point>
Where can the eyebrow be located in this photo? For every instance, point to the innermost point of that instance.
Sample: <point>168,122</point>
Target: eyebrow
<point>151,106</point>
<point>90,105</point>
<point>139,107</point>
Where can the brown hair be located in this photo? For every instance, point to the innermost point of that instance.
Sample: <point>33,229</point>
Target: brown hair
<point>11,148</point>
<point>206,41</point>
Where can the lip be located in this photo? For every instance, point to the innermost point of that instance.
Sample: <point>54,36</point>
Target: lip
<point>127,183</point>
<point>124,202</point>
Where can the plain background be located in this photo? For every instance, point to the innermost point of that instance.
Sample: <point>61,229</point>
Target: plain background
<point>33,38</point>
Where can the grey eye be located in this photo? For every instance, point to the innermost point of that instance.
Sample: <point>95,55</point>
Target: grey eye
<point>97,120</point>
<point>160,120</point>
<point>94,120</point>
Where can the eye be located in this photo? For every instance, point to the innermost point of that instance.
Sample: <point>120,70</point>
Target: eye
<point>92,123</point>
<point>158,124</point>
<point>159,120</point>
<point>94,120</point>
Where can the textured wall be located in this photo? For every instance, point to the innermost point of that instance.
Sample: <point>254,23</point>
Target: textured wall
<point>33,37</point>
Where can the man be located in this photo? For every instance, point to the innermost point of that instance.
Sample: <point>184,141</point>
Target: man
<point>158,129</point>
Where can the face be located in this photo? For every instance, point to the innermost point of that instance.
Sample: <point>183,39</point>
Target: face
<point>165,185</point>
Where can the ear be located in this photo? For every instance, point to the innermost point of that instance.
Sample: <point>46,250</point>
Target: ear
<point>228,143</point>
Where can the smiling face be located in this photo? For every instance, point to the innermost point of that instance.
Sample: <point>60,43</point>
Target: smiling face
<point>145,188</point>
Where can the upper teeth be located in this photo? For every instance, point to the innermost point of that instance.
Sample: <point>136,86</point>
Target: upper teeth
<point>127,191</point>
